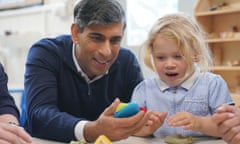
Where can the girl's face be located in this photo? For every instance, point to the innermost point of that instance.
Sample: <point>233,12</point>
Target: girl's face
<point>168,60</point>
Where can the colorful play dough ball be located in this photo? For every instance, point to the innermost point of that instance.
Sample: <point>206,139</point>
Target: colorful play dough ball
<point>126,111</point>
<point>121,106</point>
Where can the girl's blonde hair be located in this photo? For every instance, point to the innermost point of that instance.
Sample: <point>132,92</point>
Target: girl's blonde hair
<point>188,36</point>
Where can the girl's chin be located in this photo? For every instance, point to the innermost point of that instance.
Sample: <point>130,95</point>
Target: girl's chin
<point>173,84</point>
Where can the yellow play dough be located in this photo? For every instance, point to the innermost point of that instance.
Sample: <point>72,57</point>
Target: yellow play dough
<point>121,106</point>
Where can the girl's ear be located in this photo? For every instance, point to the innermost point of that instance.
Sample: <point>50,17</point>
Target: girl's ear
<point>196,58</point>
<point>74,32</point>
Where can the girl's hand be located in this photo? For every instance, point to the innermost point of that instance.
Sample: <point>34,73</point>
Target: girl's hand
<point>185,119</point>
<point>155,121</point>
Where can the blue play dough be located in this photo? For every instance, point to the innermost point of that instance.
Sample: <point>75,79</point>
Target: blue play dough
<point>129,110</point>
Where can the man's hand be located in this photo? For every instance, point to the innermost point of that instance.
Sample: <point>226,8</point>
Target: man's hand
<point>228,120</point>
<point>115,128</point>
<point>13,134</point>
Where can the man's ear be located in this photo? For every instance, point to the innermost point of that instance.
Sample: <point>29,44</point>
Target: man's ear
<point>74,32</point>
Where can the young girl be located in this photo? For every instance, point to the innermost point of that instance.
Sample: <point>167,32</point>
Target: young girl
<point>185,94</point>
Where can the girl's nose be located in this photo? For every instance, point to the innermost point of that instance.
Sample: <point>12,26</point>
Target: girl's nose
<point>170,63</point>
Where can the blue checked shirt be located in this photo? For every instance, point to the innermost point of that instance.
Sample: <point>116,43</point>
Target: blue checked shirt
<point>200,95</point>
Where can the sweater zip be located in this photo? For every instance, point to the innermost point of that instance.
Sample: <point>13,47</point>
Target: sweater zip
<point>89,90</point>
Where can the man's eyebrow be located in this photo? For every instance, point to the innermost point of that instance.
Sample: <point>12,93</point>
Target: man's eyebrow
<point>117,37</point>
<point>95,34</point>
<point>100,35</point>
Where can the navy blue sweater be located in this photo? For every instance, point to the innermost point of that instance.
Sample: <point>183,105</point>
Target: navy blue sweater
<point>58,97</point>
<point>7,104</point>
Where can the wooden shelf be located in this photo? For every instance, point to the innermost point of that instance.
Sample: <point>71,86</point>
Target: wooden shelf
<point>217,12</point>
<point>223,27</point>
<point>236,98</point>
<point>226,68</point>
<point>222,40</point>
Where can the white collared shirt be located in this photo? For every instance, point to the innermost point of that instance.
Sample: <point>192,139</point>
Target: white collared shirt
<point>84,75</point>
<point>187,84</point>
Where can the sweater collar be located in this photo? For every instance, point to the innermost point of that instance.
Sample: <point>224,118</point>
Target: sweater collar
<point>84,75</point>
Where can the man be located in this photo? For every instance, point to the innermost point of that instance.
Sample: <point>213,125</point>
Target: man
<point>228,119</point>
<point>70,81</point>
<point>9,114</point>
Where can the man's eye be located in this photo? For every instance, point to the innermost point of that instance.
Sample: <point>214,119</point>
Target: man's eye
<point>115,41</point>
<point>95,38</point>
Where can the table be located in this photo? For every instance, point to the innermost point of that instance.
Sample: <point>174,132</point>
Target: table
<point>138,140</point>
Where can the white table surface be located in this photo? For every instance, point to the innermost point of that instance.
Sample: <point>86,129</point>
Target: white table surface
<point>137,140</point>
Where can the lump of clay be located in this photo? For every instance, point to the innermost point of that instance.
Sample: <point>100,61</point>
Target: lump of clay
<point>179,139</point>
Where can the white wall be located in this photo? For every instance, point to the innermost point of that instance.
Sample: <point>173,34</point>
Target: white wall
<point>187,6</point>
<point>27,26</point>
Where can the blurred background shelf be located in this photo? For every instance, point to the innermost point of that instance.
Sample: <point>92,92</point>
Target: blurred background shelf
<point>220,20</point>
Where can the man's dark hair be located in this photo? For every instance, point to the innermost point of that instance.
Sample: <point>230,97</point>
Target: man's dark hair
<point>88,12</point>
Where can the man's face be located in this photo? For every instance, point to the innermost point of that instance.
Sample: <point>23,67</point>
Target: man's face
<point>98,48</point>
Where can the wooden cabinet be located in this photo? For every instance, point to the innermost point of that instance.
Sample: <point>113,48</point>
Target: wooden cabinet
<point>221,20</point>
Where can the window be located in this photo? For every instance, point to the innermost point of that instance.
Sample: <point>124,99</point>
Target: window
<point>141,15</point>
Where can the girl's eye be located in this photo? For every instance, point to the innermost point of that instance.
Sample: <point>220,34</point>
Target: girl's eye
<point>161,57</point>
<point>178,57</point>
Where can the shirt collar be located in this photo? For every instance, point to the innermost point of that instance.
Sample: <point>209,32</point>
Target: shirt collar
<point>84,75</point>
<point>187,84</point>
